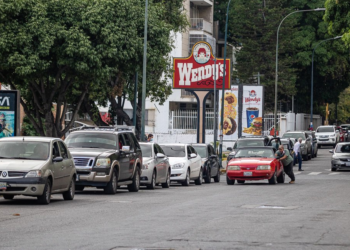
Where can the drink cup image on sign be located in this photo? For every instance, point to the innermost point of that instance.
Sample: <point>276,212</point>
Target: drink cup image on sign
<point>252,113</point>
<point>255,127</point>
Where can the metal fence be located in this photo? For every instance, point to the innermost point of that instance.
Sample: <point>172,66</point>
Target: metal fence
<point>187,120</point>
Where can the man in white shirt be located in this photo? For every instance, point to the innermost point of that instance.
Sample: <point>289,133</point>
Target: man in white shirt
<point>297,153</point>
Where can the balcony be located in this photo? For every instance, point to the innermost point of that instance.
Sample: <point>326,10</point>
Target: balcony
<point>202,2</point>
<point>201,24</point>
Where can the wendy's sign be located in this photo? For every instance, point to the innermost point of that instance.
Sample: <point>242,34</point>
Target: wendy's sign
<point>197,72</point>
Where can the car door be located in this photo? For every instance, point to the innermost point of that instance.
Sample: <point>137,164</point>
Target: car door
<point>213,161</point>
<point>67,165</point>
<point>195,162</point>
<point>57,168</point>
<point>161,164</point>
<point>124,159</point>
<point>131,155</point>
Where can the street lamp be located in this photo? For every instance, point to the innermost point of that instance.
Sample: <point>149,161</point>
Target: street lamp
<point>223,87</point>
<point>276,74</point>
<point>144,75</point>
<point>312,77</point>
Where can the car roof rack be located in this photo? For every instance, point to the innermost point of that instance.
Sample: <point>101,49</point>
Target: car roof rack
<point>104,128</point>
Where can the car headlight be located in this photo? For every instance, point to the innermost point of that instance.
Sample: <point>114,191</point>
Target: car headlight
<point>233,167</point>
<point>264,167</point>
<point>178,165</point>
<point>33,173</point>
<point>103,163</point>
<point>333,135</point>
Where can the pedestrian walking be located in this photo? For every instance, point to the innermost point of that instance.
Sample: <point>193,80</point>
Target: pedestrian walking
<point>287,161</point>
<point>297,153</point>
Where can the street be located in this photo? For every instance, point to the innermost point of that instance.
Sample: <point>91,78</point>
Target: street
<point>313,213</point>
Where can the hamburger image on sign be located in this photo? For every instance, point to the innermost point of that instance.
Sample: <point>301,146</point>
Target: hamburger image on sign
<point>255,127</point>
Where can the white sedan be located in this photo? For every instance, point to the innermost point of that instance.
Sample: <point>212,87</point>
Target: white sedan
<point>156,167</point>
<point>185,163</point>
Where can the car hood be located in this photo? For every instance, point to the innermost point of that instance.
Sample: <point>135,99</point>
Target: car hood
<point>20,165</point>
<point>174,160</point>
<point>251,161</point>
<point>91,152</point>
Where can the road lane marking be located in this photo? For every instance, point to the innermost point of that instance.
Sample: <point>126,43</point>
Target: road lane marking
<point>315,173</point>
<point>333,173</point>
<point>297,173</point>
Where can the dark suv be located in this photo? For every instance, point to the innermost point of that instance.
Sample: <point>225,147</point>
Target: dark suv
<point>248,141</point>
<point>105,157</point>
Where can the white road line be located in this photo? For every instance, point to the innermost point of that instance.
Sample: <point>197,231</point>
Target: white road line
<point>333,173</point>
<point>328,169</point>
<point>297,173</point>
<point>315,173</point>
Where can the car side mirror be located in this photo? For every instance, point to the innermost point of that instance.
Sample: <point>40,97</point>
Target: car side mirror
<point>126,149</point>
<point>229,149</point>
<point>57,159</point>
<point>331,151</point>
<point>160,155</point>
<point>193,155</point>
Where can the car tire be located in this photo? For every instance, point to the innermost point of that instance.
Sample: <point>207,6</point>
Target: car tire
<point>166,184</point>
<point>240,181</point>
<point>79,188</point>
<point>135,186</point>
<point>199,180</point>
<point>112,185</point>
<point>318,146</point>
<point>273,179</point>
<point>186,182</point>
<point>69,194</point>
<point>229,182</point>
<point>281,178</point>
<point>153,181</point>
<point>305,158</point>
<point>207,178</point>
<point>334,169</point>
<point>45,198</point>
<point>8,196</point>
<point>217,177</point>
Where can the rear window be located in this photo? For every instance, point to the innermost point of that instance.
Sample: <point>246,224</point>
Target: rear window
<point>325,130</point>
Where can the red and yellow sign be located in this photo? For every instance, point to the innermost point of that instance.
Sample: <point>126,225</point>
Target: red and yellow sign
<point>199,69</point>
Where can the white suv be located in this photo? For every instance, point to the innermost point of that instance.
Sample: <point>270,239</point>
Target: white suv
<point>327,135</point>
<point>186,164</point>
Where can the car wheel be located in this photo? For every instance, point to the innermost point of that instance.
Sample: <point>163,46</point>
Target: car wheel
<point>186,182</point>
<point>217,177</point>
<point>240,181</point>
<point>200,178</point>
<point>207,178</point>
<point>112,185</point>
<point>281,177</point>
<point>334,169</point>
<point>153,181</point>
<point>229,182</point>
<point>8,196</point>
<point>135,186</point>
<point>273,179</point>
<point>306,157</point>
<point>69,194</point>
<point>46,196</point>
<point>166,184</point>
<point>79,188</point>
<point>318,146</point>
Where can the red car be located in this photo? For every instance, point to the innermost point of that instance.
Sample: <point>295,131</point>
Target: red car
<point>255,163</point>
<point>341,134</point>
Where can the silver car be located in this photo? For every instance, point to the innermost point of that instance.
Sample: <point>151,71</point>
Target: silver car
<point>306,144</point>
<point>341,156</point>
<point>36,166</point>
<point>156,168</point>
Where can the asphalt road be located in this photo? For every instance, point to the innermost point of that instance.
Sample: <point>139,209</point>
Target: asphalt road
<point>314,213</point>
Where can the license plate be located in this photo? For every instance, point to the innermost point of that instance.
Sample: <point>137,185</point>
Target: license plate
<point>247,173</point>
<point>3,185</point>
<point>347,164</point>
<point>77,178</point>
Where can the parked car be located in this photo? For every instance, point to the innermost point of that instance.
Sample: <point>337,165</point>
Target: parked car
<point>327,135</point>
<point>248,141</point>
<point>106,157</point>
<point>186,164</point>
<point>306,144</point>
<point>341,133</point>
<point>345,129</point>
<point>36,166</point>
<point>156,168</point>
<point>341,156</point>
<point>255,163</point>
<point>210,161</point>
<point>314,143</point>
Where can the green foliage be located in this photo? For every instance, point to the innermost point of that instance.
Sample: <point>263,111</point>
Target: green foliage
<point>28,128</point>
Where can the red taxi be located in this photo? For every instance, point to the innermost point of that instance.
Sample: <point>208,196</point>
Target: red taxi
<point>255,163</point>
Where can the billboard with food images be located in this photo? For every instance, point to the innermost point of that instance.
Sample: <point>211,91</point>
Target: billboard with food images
<point>231,107</point>
<point>252,110</point>
<point>9,113</point>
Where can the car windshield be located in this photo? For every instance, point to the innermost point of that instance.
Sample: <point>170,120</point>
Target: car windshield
<point>325,129</point>
<point>343,148</point>
<point>294,135</point>
<point>146,150</point>
<point>248,143</point>
<point>174,151</point>
<point>201,150</point>
<point>251,153</point>
<point>24,150</point>
<point>92,140</point>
